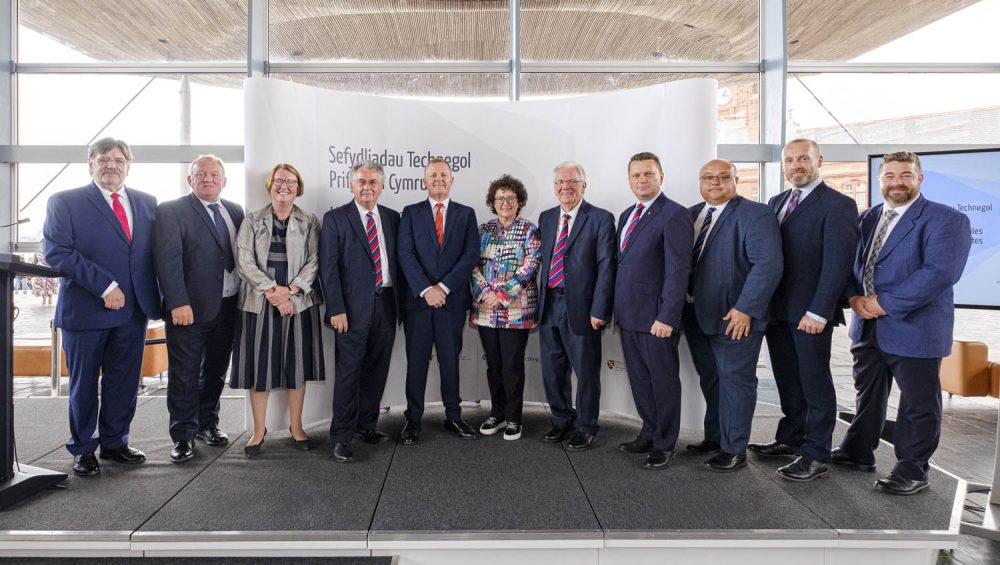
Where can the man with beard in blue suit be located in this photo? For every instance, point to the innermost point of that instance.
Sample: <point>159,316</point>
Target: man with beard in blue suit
<point>576,286</point>
<point>912,253</point>
<point>819,238</point>
<point>736,265</point>
<point>101,237</point>
<point>654,260</point>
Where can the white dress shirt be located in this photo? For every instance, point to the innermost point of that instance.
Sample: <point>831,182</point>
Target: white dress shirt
<point>123,198</point>
<point>386,277</point>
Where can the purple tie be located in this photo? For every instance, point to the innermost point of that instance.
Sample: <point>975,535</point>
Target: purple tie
<point>791,204</point>
<point>631,224</point>
<point>556,270</point>
<point>374,248</point>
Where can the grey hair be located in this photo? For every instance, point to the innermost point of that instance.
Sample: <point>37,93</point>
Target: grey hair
<point>366,164</point>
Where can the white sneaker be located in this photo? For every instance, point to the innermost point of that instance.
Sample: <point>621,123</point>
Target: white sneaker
<point>491,426</point>
<point>512,432</point>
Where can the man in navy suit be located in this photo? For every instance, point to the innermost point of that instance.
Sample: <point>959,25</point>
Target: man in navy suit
<point>654,260</point>
<point>194,259</point>
<point>576,288</point>
<point>101,236</point>
<point>359,273</point>
<point>912,253</point>
<point>438,248</point>
<point>736,265</point>
<point>819,238</point>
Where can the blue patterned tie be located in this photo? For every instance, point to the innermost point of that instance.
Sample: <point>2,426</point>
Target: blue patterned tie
<point>222,232</point>
<point>699,243</point>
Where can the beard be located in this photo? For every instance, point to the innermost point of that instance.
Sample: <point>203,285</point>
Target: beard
<point>892,194</point>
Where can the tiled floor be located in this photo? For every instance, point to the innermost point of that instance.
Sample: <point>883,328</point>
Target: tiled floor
<point>968,432</point>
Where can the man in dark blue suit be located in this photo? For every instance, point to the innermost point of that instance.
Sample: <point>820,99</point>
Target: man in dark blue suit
<point>912,253</point>
<point>194,259</point>
<point>819,238</point>
<point>359,273</point>
<point>736,265</point>
<point>438,248</point>
<point>654,260</point>
<point>576,288</point>
<point>101,237</point>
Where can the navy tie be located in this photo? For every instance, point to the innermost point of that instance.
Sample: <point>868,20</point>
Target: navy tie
<point>699,243</point>
<point>222,232</point>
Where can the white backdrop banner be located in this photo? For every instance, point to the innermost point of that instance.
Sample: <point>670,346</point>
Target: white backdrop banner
<point>322,133</point>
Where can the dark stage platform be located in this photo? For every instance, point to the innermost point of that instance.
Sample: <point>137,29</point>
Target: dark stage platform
<point>445,500</point>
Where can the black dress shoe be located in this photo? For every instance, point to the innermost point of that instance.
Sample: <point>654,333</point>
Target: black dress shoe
<point>124,454</point>
<point>804,469</point>
<point>460,428</point>
<point>555,435</point>
<point>841,457</point>
<point>637,445</point>
<point>410,433</point>
<point>580,441</point>
<point>658,459</point>
<point>773,449</point>
<point>371,436</point>
<point>182,451</point>
<point>213,436</point>
<point>86,465</point>
<point>703,447</point>
<point>725,462</point>
<point>343,453</point>
<point>894,484</point>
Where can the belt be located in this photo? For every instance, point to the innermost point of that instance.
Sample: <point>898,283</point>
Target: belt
<point>383,290</point>
<point>559,290</point>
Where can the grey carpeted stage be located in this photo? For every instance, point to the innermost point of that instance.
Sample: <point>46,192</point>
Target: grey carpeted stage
<point>444,499</point>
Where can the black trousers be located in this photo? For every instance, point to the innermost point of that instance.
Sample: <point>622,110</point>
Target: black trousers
<point>362,367</point>
<point>504,350</point>
<point>918,420</point>
<point>199,357</point>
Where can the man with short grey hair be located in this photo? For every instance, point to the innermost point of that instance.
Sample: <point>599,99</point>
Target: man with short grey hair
<point>196,266</point>
<point>359,272</point>
<point>576,292</point>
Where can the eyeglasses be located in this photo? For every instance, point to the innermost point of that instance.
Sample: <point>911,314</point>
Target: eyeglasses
<point>710,178</point>
<point>118,161</point>
<point>569,182</point>
<point>291,183</point>
<point>372,183</point>
<point>505,200</point>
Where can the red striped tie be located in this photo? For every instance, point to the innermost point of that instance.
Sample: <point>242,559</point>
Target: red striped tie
<point>631,224</point>
<point>556,270</point>
<point>374,249</point>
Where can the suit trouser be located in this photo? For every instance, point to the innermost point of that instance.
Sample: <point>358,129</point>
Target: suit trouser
<point>564,351</point>
<point>199,357</point>
<point>918,419</point>
<point>732,392</point>
<point>441,330</point>
<point>362,367</point>
<point>801,363</point>
<point>115,354</point>
<point>708,374</point>
<point>504,349</point>
<point>653,373</point>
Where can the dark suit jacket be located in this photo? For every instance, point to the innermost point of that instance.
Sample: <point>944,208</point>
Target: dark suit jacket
<point>188,255</point>
<point>84,239</point>
<point>818,242</point>
<point>588,265</point>
<point>740,266</point>
<point>653,270</point>
<point>920,262</point>
<point>424,263</point>
<point>346,268</point>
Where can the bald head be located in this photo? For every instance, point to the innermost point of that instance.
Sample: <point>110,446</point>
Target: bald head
<point>718,181</point>
<point>801,160</point>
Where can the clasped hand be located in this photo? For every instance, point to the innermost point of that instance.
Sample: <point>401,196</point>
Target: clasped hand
<point>866,306</point>
<point>281,298</point>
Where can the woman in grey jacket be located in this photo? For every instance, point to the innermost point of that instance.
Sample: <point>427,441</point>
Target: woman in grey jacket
<point>278,338</point>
